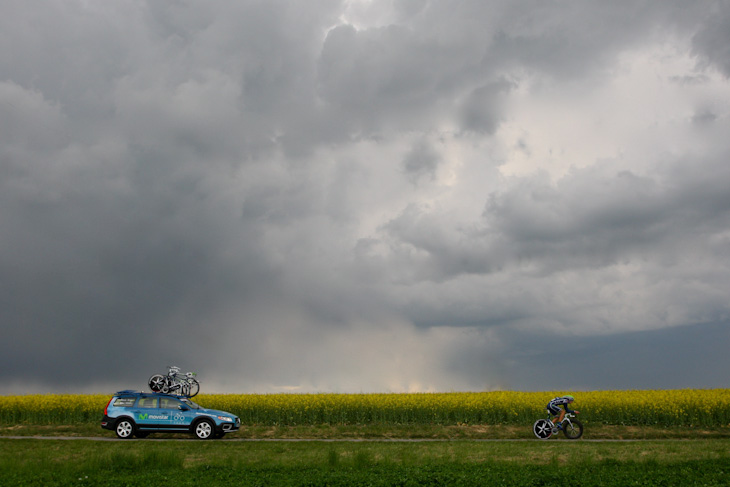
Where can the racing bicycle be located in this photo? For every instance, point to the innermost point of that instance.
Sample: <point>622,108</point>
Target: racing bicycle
<point>545,428</point>
<point>175,382</point>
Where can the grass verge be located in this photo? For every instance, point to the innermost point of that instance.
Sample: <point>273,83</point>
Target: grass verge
<point>136,462</point>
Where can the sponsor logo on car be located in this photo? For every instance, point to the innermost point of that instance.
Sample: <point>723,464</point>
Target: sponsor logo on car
<point>152,416</point>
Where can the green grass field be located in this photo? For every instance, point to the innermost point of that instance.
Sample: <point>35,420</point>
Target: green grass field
<point>463,462</point>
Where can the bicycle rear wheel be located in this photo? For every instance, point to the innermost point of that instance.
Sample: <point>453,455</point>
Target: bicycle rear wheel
<point>543,429</point>
<point>573,429</point>
<point>156,383</point>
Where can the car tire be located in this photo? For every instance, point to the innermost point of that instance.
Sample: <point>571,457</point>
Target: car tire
<point>124,428</point>
<point>204,429</point>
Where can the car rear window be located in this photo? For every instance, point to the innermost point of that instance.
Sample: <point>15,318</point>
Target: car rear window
<point>124,402</point>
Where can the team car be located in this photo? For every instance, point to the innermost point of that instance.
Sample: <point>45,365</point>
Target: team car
<point>131,413</point>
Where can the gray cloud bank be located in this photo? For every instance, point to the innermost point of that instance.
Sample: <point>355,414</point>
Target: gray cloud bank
<point>364,196</point>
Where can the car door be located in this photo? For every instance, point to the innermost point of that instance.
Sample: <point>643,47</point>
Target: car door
<point>173,410</point>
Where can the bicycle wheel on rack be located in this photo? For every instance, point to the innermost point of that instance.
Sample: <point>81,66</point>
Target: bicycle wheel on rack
<point>194,387</point>
<point>156,383</point>
<point>543,429</point>
<point>167,385</point>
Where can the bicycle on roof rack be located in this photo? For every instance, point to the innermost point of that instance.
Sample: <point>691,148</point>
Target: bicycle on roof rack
<point>175,382</point>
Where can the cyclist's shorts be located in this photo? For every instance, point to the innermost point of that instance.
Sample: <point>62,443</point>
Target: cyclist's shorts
<point>554,410</point>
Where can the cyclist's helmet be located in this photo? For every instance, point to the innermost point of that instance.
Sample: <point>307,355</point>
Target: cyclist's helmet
<point>569,398</point>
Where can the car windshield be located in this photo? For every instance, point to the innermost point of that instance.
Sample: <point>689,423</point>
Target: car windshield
<point>190,403</point>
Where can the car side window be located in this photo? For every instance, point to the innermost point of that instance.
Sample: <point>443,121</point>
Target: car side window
<point>169,403</point>
<point>124,402</point>
<point>147,402</point>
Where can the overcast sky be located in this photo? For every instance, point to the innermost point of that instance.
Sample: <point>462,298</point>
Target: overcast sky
<point>359,196</point>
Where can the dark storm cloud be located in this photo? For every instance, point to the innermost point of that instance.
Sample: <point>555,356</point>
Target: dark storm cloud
<point>712,40</point>
<point>421,161</point>
<point>277,193</point>
<point>598,218</point>
<point>632,360</point>
<point>385,79</point>
<point>481,111</point>
<point>116,238</point>
<point>635,360</point>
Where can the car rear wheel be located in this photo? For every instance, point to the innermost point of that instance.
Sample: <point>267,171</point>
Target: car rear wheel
<point>204,429</point>
<point>124,428</point>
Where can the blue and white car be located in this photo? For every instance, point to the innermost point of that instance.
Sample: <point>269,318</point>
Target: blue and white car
<point>131,413</point>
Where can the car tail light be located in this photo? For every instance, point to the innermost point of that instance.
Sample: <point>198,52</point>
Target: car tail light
<point>107,406</point>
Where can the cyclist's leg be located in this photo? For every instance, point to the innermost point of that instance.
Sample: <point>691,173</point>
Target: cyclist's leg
<point>555,411</point>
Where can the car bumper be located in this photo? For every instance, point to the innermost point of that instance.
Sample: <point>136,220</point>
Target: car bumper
<point>107,423</point>
<point>229,427</point>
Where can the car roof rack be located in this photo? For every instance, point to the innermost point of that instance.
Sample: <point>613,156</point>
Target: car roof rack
<point>148,393</point>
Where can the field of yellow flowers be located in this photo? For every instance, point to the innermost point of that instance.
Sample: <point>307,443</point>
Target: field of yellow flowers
<point>705,407</point>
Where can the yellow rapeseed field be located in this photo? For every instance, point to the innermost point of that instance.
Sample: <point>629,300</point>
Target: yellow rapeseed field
<point>703,407</point>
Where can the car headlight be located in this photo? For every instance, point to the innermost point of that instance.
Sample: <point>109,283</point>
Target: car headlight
<point>225,418</point>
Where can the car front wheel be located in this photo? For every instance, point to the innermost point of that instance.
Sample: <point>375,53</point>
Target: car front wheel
<point>204,429</point>
<point>125,428</point>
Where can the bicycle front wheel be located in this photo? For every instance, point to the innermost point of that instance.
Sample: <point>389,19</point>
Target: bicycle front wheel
<point>573,429</point>
<point>194,386</point>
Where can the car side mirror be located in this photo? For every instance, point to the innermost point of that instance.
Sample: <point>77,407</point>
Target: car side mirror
<point>183,408</point>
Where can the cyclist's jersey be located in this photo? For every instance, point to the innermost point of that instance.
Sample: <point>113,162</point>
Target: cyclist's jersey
<point>557,402</point>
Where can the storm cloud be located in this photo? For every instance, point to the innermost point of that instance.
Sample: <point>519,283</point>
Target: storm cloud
<point>351,196</point>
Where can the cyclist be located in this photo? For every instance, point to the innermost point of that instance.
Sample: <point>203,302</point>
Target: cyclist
<point>554,408</point>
